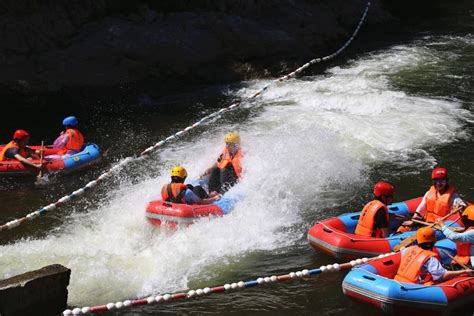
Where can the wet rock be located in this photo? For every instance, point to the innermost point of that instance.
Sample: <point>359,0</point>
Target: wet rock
<point>53,45</point>
<point>39,292</point>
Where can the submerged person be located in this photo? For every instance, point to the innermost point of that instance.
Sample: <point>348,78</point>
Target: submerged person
<point>465,240</point>
<point>437,202</point>
<point>178,192</point>
<point>420,265</point>
<point>18,149</point>
<point>70,141</point>
<point>226,172</point>
<point>374,219</point>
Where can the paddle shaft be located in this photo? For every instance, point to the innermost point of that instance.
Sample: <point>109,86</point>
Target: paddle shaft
<point>454,259</point>
<point>40,174</point>
<point>416,221</point>
<point>407,241</point>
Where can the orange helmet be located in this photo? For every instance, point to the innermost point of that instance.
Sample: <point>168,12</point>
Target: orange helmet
<point>425,234</point>
<point>383,188</point>
<point>439,173</point>
<point>20,134</point>
<point>469,213</point>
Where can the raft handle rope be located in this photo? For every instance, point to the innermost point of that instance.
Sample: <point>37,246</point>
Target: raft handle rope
<point>161,298</point>
<point>28,218</point>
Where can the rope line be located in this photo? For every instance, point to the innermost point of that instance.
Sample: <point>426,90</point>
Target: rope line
<point>43,210</point>
<point>161,298</point>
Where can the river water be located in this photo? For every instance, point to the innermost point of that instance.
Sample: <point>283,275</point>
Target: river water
<point>314,147</point>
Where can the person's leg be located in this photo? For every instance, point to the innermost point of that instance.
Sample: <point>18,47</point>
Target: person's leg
<point>228,177</point>
<point>215,180</point>
<point>199,191</point>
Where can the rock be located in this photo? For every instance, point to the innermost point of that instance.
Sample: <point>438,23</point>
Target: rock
<point>70,44</point>
<point>39,292</point>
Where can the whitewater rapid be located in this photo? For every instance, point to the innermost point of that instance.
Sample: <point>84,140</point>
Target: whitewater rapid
<point>307,142</point>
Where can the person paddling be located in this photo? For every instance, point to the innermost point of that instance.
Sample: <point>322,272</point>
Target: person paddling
<point>421,265</point>
<point>438,201</point>
<point>18,149</point>
<point>178,192</point>
<point>465,240</point>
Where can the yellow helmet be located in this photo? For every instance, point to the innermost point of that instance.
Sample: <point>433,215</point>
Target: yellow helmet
<point>232,138</point>
<point>469,212</point>
<point>425,234</point>
<point>179,171</point>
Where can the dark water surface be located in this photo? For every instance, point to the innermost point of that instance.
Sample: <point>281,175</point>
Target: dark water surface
<point>446,74</point>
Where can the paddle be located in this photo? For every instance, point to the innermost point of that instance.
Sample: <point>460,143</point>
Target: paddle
<point>40,174</point>
<point>454,259</point>
<point>39,177</point>
<point>417,221</point>
<point>410,239</point>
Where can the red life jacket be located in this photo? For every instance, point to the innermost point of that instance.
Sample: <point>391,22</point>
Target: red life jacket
<point>173,192</point>
<point>463,251</point>
<point>411,263</point>
<point>75,142</point>
<point>365,225</point>
<point>437,205</point>
<point>226,158</point>
<point>22,151</point>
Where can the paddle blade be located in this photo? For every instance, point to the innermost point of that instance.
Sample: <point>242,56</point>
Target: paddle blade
<point>405,242</point>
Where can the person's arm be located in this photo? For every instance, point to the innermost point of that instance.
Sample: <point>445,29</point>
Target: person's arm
<point>27,162</point>
<point>452,274</point>
<point>191,198</point>
<point>64,140</point>
<point>465,237</point>
<point>457,202</point>
<point>209,200</point>
<point>381,223</point>
<point>420,210</point>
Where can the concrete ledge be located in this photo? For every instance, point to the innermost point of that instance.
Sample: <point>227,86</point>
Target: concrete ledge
<point>39,292</point>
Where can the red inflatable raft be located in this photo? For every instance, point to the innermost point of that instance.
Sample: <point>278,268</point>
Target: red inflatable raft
<point>89,155</point>
<point>335,236</point>
<point>173,214</point>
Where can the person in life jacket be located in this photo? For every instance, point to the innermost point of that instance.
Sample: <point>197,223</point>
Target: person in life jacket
<point>178,192</point>
<point>440,199</point>
<point>18,149</point>
<point>70,141</point>
<point>227,171</point>
<point>374,218</point>
<point>420,264</point>
<point>465,240</point>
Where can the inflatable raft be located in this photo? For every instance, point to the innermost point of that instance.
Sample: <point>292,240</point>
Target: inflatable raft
<point>335,236</point>
<point>161,213</point>
<point>373,283</point>
<point>87,157</point>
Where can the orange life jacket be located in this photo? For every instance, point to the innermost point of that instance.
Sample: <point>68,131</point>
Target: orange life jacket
<point>365,225</point>
<point>13,144</point>
<point>75,142</point>
<point>411,263</point>
<point>437,205</point>
<point>174,192</point>
<point>226,158</point>
<point>463,251</point>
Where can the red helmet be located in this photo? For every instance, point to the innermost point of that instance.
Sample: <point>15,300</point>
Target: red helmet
<point>439,173</point>
<point>20,134</point>
<point>383,188</point>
